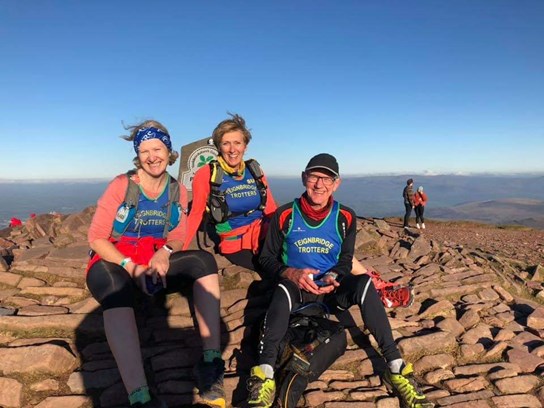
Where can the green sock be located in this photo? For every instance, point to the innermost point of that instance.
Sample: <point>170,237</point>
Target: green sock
<point>209,355</point>
<point>139,395</point>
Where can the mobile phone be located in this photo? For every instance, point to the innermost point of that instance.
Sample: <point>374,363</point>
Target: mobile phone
<point>321,282</point>
<point>151,287</point>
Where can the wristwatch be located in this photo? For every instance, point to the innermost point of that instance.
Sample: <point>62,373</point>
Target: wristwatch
<point>168,248</point>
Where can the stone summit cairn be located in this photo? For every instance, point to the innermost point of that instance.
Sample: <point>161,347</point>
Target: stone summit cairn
<point>475,333</point>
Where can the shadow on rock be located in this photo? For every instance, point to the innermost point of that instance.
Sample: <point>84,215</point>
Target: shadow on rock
<point>170,345</point>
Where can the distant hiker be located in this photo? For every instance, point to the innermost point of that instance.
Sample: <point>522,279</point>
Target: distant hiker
<point>309,249</point>
<point>15,222</point>
<point>235,197</point>
<point>420,200</point>
<point>408,196</point>
<point>136,236</point>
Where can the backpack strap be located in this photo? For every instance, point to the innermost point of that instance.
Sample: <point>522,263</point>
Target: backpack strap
<point>257,173</point>
<point>132,197</point>
<point>173,199</point>
<point>130,203</point>
<point>217,202</point>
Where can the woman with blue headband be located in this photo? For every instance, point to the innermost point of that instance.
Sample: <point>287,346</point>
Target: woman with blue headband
<point>137,234</point>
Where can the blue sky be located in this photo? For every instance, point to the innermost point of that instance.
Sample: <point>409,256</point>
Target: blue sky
<point>386,86</point>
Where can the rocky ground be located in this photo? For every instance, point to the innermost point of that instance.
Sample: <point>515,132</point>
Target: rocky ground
<point>475,332</point>
<point>519,243</point>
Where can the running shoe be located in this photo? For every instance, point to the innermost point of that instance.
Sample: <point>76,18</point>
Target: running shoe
<point>405,387</point>
<point>209,379</point>
<point>397,296</point>
<point>262,390</point>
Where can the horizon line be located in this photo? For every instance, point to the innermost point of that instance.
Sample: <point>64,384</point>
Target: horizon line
<point>383,174</point>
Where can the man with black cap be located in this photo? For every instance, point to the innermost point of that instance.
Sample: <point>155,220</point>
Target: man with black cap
<point>309,249</point>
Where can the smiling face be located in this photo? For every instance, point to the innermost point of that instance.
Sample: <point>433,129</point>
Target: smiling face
<point>153,155</point>
<point>232,148</point>
<point>320,185</point>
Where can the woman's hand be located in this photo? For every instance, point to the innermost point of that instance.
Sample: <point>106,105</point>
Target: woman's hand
<point>159,265</point>
<point>139,274</point>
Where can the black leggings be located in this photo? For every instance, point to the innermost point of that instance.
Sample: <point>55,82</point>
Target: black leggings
<point>353,290</point>
<point>419,213</point>
<point>112,286</point>
<point>407,213</point>
<point>244,258</point>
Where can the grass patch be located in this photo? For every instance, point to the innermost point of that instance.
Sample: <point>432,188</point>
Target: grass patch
<point>230,282</point>
<point>39,333</point>
<point>31,397</point>
<point>453,351</point>
<point>50,279</point>
<point>350,367</point>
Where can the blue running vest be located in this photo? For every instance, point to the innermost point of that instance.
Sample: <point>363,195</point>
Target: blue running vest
<point>149,218</point>
<point>242,196</point>
<point>316,247</point>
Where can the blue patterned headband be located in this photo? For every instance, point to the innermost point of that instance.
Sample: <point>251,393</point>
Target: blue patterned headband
<point>149,133</point>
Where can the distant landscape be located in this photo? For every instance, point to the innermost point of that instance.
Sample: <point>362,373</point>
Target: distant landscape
<point>490,199</point>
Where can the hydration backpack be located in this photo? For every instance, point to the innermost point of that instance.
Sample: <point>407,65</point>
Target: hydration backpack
<point>127,210</point>
<point>217,202</point>
<point>312,343</point>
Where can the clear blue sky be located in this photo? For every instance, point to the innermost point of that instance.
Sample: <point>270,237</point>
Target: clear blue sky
<point>386,86</point>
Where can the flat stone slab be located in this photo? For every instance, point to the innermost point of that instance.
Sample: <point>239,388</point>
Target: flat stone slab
<point>76,252</point>
<point>433,343</point>
<point>46,359</point>
<point>9,279</point>
<point>70,401</point>
<point>86,324</point>
<point>11,393</point>
<point>54,291</point>
<point>39,310</point>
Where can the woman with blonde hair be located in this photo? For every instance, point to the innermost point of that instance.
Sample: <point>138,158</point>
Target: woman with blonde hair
<point>239,203</point>
<point>137,235</point>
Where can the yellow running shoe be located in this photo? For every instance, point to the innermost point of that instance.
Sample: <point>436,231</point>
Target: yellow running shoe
<point>262,390</point>
<point>405,387</point>
<point>209,379</point>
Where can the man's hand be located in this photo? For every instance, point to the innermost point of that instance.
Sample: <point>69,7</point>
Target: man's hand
<point>303,280</point>
<point>330,284</point>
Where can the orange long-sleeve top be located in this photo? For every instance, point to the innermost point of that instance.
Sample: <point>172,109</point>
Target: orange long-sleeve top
<point>201,193</point>
<point>420,198</point>
<point>113,197</point>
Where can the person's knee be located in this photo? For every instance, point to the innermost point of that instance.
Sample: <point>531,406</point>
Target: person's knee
<point>103,273</point>
<point>287,291</point>
<point>96,273</point>
<point>289,287</point>
<point>361,285</point>
<point>207,263</point>
<point>193,264</point>
<point>110,285</point>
